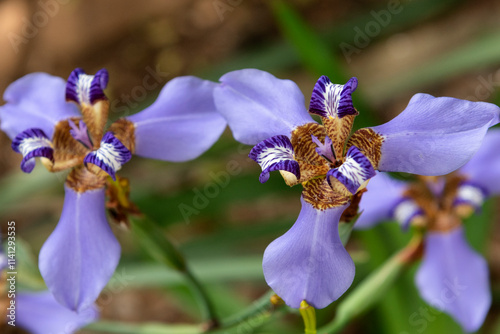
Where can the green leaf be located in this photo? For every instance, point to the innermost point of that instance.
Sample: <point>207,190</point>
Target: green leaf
<point>372,289</point>
<point>213,270</point>
<point>17,186</point>
<point>156,243</point>
<point>28,277</point>
<point>315,55</point>
<point>124,328</point>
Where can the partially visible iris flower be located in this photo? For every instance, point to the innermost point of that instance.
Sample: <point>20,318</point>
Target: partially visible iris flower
<point>39,312</point>
<point>65,125</point>
<point>452,277</point>
<point>432,136</point>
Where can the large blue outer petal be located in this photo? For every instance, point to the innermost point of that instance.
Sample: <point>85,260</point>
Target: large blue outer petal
<point>434,136</point>
<point>81,255</point>
<point>309,261</point>
<point>454,278</point>
<point>36,100</point>
<point>182,123</point>
<point>484,167</point>
<point>257,105</point>
<point>40,313</point>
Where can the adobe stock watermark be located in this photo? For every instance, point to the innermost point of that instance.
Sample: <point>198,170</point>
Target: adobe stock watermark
<point>46,10</point>
<point>372,29</point>
<point>212,189</point>
<point>450,293</point>
<point>151,81</point>
<point>223,6</point>
<point>487,85</point>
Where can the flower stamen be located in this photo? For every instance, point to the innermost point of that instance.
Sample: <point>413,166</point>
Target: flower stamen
<point>325,150</point>
<point>80,133</point>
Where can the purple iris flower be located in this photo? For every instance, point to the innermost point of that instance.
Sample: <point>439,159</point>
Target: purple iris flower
<point>452,277</point>
<point>432,136</point>
<point>65,125</point>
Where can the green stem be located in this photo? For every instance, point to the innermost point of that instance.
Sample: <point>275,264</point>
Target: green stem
<point>164,251</point>
<point>208,306</point>
<point>260,305</point>
<point>255,316</point>
<point>373,288</point>
<point>124,328</point>
<point>250,324</point>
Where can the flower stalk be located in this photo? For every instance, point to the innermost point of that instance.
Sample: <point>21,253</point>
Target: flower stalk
<point>374,287</point>
<point>164,251</point>
<point>308,314</point>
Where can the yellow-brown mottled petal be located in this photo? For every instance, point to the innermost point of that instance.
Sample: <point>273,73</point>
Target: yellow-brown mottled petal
<point>68,152</point>
<point>338,130</point>
<point>124,131</point>
<point>369,143</point>
<point>95,117</point>
<point>320,195</point>
<point>304,147</point>
<point>81,179</point>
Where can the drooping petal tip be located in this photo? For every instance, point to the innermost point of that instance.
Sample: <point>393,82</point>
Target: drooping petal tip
<point>455,279</point>
<point>86,89</point>
<point>81,254</point>
<point>309,261</point>
<point>32,143</point>
<point>40,313</point>
<point>275,153</point>
<point>331,100</point>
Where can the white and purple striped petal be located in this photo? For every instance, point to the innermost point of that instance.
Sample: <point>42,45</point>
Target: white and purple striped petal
<point>405,211</point>
<point>275,153</point>
<point>257,105</point>
<point>81,254</point>
<point>471,193</point>
<point>331,100</point>
<point>355,171</point>
<point>40,313</point>
<point>110,156</point>
<point>32,143</point>
<point>309,261</point>
<point>378,203</point>
<point>181,124</point>
<point>86,89</point>
<point>434,136</point>
<point>35,101</point>
<point>484,167</point>
<point>454,278</point>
